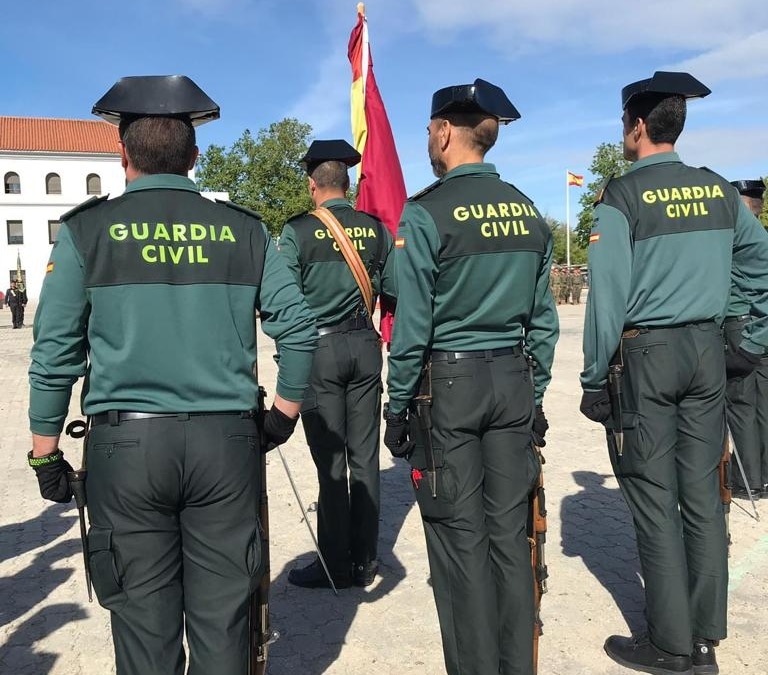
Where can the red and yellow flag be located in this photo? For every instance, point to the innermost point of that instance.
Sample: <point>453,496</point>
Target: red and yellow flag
<point>380,184</point>
<point>574,179</point>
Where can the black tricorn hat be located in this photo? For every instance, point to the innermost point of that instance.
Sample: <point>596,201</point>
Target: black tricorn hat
<point>156,96</point>
<point>481,96</point>
<point>662,82</point>
<point>329,151</point>
<point>749,188</point>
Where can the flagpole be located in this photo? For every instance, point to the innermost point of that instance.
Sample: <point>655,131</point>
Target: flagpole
<point>567,223</point>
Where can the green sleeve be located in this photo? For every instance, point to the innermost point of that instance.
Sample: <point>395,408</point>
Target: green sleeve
<point>543,328</point>
<point>287,319</point>
<point>416,267</point>
<point>610,272</point>
<point>750,274</point>
<point>59,355</point>
<point>388,278</point>
<point>290,252</point>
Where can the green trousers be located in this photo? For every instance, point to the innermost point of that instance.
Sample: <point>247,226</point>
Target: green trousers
<point>747,405</point>
<point>674,414</point>
<point>174,540</point>
<point>479,556</point>
<point>341,415</point>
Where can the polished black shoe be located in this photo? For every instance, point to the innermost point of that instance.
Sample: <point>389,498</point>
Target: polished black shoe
<point>314,576</point>
<point>739,492</point>
<point>640,654</point>
<point>703,657</point>
<point>363,574</point>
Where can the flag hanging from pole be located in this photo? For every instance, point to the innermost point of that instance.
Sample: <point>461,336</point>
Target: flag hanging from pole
<point>380,184</point>
<point>574,179</point>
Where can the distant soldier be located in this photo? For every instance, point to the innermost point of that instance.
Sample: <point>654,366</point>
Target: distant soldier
<point>557,285</point>
<point>566,285</point>
<point>577,284</point>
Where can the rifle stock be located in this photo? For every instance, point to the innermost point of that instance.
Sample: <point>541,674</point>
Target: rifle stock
<point>537,537</point>
<point>724,472</point>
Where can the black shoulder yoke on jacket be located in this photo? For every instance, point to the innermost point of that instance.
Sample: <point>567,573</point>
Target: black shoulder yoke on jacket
<point>425,191</point>
<point>601,192</point>
<point>87,204</point>
<point>237,207</point>
<point>522,194</point>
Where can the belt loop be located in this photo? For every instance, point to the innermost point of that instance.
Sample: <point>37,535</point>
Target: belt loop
<point>451,357</point>
<point>488,355</point>
<point>113,417</point>
<point>182,417</point>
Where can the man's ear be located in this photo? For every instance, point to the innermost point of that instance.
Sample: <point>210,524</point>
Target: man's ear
<point>123,156</point>
<point>195,155</point>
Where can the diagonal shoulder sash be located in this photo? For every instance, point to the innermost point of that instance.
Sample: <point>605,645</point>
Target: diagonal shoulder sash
<point>351,256</point>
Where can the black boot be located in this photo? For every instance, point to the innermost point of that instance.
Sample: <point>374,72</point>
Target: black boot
<point>363,574</point>
<point>703,657</point>
<point>740,492</point>
<point>313,576</point>
<point>641,654</point>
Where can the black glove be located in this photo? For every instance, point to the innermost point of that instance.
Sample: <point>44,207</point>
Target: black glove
<point>51,471</point>
<point>396,433</point>
<point>740,363</point>
<point>596,405</point>
<point>540,426</point>
<point>278,427</point>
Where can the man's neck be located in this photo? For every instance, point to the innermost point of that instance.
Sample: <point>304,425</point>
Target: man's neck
<point>322,196</point>
<point>650,149</point>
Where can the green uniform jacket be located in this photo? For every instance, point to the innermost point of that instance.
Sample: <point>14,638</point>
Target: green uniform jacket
<point>152,297</point>
<point>322,272</point>
<point>472,260</point>
<point>668,241</point>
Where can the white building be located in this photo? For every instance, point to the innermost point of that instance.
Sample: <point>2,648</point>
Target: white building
<point>49,166</point>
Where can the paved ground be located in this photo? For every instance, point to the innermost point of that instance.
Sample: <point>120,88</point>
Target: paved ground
<point>47,626</point>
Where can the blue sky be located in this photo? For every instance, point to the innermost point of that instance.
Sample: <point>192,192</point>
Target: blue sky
<point>562,63</point>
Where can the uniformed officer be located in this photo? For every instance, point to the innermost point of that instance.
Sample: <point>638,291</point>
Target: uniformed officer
<point>173,450</point>
<point>747,394</point>
<point>342,408</point>
<point>473,256</point>
<point>662,232</point>
<point>576,286</point>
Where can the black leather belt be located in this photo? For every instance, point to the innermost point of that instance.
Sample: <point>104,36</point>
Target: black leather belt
<point>634,331</point>
<point>355,323</point>
<point>116,417</point>
<point>731,319</point>
<point>479,354</point>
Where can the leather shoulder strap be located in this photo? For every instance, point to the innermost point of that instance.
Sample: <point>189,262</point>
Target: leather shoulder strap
<point>351,256</point>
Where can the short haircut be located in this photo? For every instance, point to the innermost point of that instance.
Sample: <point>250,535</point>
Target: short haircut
<point>159,144</point>
<point>331,174</point>
<point>480,130</point>
<point>664,116</point>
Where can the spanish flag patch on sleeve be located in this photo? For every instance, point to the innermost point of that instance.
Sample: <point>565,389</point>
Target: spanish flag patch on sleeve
<point>594,238</point>
<point>49,268</point>
<point>399,242</point>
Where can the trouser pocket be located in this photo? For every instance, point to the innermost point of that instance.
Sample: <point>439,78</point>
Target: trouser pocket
<point>104,570</point>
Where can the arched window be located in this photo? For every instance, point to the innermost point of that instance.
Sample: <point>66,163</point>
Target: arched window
<point>12,183</point>
<point>53,184</point>
<point>93,184</point>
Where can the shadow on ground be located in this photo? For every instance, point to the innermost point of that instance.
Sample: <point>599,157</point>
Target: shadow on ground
<point>30,587</point>
<point>596,526</point>
<point>311,640</point>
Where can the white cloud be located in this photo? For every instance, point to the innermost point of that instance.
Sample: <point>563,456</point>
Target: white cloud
<point>746,58</point>
<point>728,151</point>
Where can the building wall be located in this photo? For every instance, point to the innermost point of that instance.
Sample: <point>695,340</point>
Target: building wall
<point>34,208</point>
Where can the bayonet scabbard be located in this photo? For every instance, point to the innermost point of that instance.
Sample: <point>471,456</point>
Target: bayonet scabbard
<point>615,374</point>
<point>77,485</point>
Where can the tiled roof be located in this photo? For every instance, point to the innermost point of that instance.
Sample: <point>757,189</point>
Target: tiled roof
<point>38,134</point>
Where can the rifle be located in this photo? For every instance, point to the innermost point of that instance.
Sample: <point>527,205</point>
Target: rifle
<point>422,405</point>
<point>537,538</point>
<point>260,634</point>
<point>724,472</point>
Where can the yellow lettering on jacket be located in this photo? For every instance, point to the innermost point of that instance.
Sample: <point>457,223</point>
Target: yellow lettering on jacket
<point>166,244</point>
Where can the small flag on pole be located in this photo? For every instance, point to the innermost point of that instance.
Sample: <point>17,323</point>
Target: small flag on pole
<point>380,184</point>
<point>575,179</point>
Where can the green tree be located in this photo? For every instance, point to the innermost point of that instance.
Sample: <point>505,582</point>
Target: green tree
<point>262,173</point>
<point>607,161</point>
<point>764,214</point>
<point>559,252</point>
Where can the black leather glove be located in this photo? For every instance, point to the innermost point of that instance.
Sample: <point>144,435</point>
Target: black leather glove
<point>278,427</point>
<point>740,363</point>
<point>540,426</point>
<point>596,405</point>
<point>396,433</point>
<point>51,471</point>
